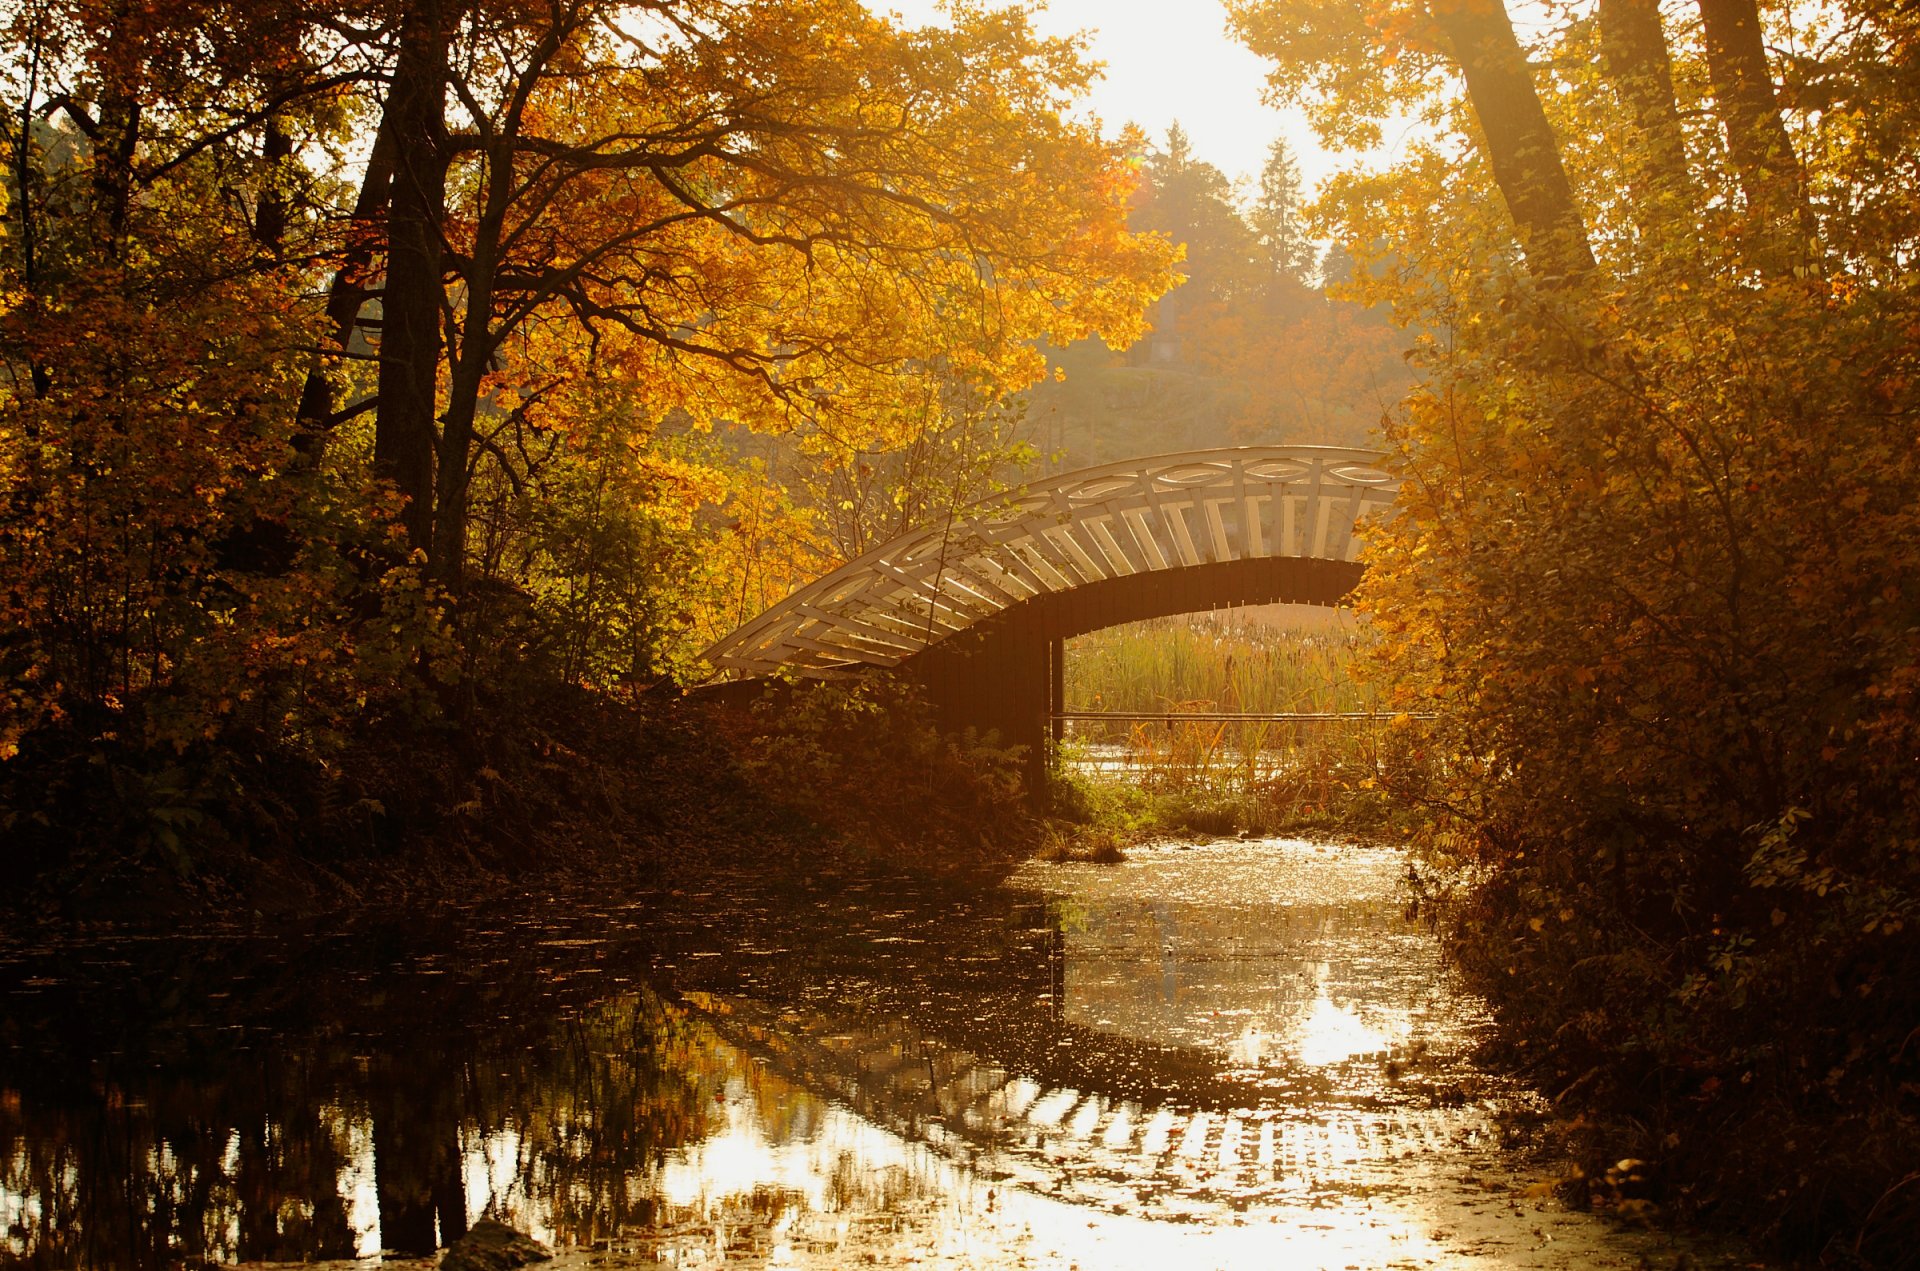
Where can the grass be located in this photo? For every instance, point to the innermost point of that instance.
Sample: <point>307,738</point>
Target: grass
<point>1214,776</point>
<point>1235,660</point>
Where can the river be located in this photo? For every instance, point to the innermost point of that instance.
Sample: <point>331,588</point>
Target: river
<point>1233,1054</point>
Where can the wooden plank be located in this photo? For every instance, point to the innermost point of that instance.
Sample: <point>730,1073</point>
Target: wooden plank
<point>1217,530</point>
<point>1349,541</point>
<point>1053,577</point>
<point>1110,547</point>
<point>892,607</point>
<point>1083,559</point>
<point>926,590</point>
<point>1049,552</point>
<point>1255,546</point>
<point>1141,528</point>
<point>1316,509</point>
<point>1004,554</point>
<point>1001,566</point>
<point>847,622</point>
<point>843,652</point>
<point>1182,536</point>
<point>992,590</point>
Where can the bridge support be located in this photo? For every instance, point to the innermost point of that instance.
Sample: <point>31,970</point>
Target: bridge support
<point>1057,687</point>
<point>1003,687</point>
<point>1007,675</point>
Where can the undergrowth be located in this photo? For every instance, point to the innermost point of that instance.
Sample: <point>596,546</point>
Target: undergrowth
<point>570,781</point>
<point>536,781</point>
<point>862,759</point>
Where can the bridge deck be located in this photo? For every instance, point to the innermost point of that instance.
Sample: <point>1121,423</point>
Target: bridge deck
<point>1158,516</point>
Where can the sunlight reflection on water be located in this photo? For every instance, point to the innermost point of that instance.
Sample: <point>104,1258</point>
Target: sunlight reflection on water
<point>1233,1055</point>
<point>1331,1034</point>
<point>833,1188</point>
<point>1278,957</point>
<point>1271,951</point>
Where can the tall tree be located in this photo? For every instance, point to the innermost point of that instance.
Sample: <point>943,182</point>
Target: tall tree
<point>1277,217</point>
<point>412,297</point>
<point>579,220</point>
<point>1781,237</point>
<point>724,207</point>
<point>1190,202</point>
<point>347,295</point>
<point>1520,145</point>
<point>1660,603</point>
<point>1354,62</point>
<point>169,216</point>
<point>1635,55</point>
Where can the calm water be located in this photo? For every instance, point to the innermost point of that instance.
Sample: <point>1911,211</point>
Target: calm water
<point>1234,1055</point>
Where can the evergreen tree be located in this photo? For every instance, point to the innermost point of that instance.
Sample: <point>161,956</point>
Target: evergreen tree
<point>1336,266</point>
<point>1276,217</point>
<point>1191,202</point>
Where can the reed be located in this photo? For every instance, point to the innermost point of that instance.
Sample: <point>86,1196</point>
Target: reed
<point>1241,660</point>
<point>1229,776</point>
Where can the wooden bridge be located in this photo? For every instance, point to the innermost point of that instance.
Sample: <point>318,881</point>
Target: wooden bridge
<point>976,608</point>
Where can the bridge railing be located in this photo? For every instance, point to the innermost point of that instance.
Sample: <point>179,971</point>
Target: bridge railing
<point>1160,513</point>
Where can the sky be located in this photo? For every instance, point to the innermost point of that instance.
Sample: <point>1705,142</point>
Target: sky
<point>1174,60</point>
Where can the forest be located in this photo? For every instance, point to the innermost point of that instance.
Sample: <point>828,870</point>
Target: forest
<point>398,396</point>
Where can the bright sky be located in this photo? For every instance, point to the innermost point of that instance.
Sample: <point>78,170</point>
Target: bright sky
<point>1168,61</point>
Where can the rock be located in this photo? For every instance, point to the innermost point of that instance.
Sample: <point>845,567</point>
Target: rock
<point>493,1246</point>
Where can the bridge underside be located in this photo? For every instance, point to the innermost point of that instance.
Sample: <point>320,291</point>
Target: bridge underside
<point>1006,674</point>
<point>975,607</point>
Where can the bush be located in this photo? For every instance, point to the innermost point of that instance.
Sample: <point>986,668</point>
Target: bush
<point>861,758</point>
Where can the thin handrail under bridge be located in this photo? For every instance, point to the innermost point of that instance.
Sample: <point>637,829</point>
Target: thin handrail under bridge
<point>1140,516</point>
<point>1229,717</point>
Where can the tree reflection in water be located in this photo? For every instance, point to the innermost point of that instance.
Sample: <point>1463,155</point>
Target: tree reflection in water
<point>253,1102</point>
<point>244,1099</point>
<point>847,1070</point>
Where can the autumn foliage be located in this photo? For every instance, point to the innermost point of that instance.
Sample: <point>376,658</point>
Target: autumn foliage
<point>368,364</point>
<point>1256,345</point>
<point>1657,565</point>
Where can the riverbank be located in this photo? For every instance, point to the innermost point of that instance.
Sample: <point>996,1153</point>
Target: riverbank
<point>561,786</point>
<point>586,796</point>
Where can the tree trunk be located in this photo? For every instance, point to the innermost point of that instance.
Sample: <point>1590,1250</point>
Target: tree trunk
<point>469,367</point>
<point>115,143</point>
<point>347,294</point>
<point>1781,237</point>
<point>26,179</point>
<point>270,216</point>
<point>447,559</point>
<point>1520,143</point>
<point>416,1165</point>
<point>1634,55</point>
<point>476,339</point>
<point>412,300</point>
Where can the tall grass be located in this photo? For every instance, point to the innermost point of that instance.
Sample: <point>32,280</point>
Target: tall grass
<point>1221,776</point>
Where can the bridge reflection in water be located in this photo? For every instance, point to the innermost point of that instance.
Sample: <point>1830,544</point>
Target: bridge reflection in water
<point>1219,1057</point>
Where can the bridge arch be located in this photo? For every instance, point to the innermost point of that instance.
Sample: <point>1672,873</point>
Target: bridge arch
<point>976,608</point>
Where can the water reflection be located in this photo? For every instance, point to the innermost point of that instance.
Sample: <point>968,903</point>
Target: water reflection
<point>1180,1061</point>
<point>1272,953</point>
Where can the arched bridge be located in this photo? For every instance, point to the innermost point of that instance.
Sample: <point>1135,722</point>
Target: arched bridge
<point>976,607</point>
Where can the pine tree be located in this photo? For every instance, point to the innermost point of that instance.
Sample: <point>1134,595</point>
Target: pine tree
<point>1277,219</point>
